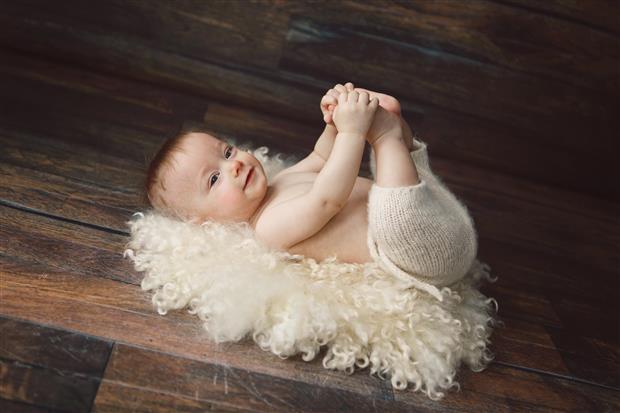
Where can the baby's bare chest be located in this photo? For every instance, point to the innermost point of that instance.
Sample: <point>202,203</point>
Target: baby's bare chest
<point>345,234</point>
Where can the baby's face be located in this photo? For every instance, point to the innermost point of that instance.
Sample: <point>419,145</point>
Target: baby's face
<point>214,180</point>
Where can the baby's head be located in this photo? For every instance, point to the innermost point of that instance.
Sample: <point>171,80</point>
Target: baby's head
<point>196,176</point>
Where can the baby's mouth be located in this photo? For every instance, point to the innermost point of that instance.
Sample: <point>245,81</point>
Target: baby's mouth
<point>248,177</point>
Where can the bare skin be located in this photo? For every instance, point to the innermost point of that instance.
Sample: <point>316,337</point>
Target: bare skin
<point>317,207</point>
<point>345,234</point>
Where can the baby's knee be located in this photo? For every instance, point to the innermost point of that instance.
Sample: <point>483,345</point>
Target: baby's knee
<point>420,234</point>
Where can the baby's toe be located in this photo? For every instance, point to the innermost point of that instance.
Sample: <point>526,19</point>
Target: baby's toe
<point>387,102</point>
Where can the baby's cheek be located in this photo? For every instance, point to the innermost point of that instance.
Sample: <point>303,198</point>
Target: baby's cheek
<point>230,198</point>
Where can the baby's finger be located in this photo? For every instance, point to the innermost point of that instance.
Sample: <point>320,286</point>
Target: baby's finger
<point>328,100</point>
<point>333,93</point>
<point>364,97</point>
<point>342,98</point>
<point>349,86</point>
<point>340,88</point>
<point>353,96</point>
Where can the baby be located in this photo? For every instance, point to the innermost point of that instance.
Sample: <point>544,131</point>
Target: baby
<point>406,220</point>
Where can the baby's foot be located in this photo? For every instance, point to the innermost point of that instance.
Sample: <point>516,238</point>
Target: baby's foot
<point>387,102</point>
<point>391,104</point>
<point>386,125</point>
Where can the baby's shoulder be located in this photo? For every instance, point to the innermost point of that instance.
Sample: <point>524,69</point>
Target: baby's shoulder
<point>287,177</point>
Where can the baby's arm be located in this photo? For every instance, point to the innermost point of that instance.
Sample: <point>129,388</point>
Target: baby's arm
<point>288,223</point>
<point>325,143</point>
<point>353,116</point>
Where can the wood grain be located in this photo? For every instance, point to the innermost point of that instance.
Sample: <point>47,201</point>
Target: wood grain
<point>526,391</point>
<point>536,278</point>
<point>123,313</point>
<point>547,85</point>
<point>517,101</point>
<point>62,245</point>
<point>19,407</point>
<point>494,33</point>
<point>602,14</point>
<point>522,315</point>
<point>49,368</point>
<point>193,382</point>
<point>113,397</point>
<point>541,106</point>
<point>68,198</point>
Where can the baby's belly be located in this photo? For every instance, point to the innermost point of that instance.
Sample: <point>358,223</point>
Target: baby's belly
<point>345,234</point>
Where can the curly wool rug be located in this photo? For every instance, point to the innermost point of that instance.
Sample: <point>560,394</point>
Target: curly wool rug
<point>291,304</point>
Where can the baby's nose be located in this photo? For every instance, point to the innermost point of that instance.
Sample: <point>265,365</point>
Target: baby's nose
<point>236,166</point>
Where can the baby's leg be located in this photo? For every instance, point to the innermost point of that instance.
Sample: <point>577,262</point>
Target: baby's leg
<point>394,164</point>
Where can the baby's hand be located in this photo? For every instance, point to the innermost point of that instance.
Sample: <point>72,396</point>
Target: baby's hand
<point>330,100</point>
<point>355,112</point>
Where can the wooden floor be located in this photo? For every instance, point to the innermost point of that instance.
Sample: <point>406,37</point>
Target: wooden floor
<point>77,333</point>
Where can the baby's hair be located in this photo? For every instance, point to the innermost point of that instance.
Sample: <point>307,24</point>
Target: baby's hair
<point>163,159</point>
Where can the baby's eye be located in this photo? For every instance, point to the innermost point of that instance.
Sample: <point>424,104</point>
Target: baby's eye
<point>213,179</point>
<point>226,151</point>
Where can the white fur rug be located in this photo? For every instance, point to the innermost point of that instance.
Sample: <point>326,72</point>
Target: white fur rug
<point>290,304</point>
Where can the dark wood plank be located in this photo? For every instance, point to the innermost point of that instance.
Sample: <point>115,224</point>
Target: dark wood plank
<point>79,163</point>
<point>576,350</point>
<point>123,313</point>
<point>544,45</point>
<point>460,136</point>
<point>518,390</point>
<point>523,274</point>
<point>545,106</point>
<point>80,106</point>
<point>195,29</point>
<point>192,383</point>
<point>97,309</point>
<point>54,349</point>
<point>139,60</point>
<point>61,245</point>
<point>19,407</point>
<point>114,397</point>
<point>68,198</point>
<point>44,387</point>
<point>524,40</point>
<point>601,14</point>
<point>93,291</point>
<point>50,368</point>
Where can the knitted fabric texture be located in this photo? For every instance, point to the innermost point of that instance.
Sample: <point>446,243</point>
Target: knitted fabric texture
<point>421,233</point>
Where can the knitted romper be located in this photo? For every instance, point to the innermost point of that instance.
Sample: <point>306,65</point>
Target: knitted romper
<point>422,233</point>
